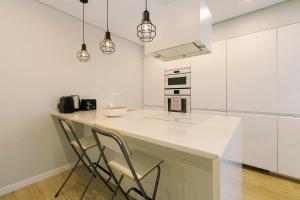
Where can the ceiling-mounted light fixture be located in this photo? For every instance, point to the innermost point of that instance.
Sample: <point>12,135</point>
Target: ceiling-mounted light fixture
<point>83,55</point>
<point>146,31</point>
<point>107,46</point>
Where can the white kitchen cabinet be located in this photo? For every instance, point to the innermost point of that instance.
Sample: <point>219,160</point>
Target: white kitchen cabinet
<point>252,72</point>
<point>180,63</point>
<point>289,146</point>
<point>209,79</point>
<point>153,82</point>
<point>289,69</point>
<point>259,140</point>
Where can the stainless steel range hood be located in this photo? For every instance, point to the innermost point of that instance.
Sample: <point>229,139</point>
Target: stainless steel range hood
<point>182,51</point>
<point>185,31</point>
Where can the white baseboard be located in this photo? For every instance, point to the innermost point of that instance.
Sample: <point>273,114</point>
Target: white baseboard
<point>31,180</point>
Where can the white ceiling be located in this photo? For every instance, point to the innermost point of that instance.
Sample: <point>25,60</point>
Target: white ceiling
<point>125,15</point>
<point>226,9</point>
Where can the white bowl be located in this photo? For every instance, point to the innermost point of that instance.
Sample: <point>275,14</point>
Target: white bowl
<point>116,111</point>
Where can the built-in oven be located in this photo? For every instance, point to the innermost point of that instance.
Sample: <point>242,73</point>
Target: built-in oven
<point>178,100</point>
<point>178,78</point>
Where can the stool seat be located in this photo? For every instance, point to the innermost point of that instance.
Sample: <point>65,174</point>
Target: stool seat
<point>143,164</point>
<point>86,142</point>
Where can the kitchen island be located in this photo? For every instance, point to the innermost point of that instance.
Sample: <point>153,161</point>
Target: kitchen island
<point>202,153</point>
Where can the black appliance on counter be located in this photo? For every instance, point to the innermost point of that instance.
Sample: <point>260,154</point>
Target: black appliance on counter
<point>66,104</point>
<point>88,104</point>
<point>70,104</point>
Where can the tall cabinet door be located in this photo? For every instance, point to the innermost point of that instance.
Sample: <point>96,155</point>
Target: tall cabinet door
<point>289,146</point>
<point>153,82</point>
<point>209,79</point>
<point>252,72</point>
<point>289,69</point>
<point>259,140</point>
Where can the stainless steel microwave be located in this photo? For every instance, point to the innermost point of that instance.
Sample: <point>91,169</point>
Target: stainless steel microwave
<point>178,78</point>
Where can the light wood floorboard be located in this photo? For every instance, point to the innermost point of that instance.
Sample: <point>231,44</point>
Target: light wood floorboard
<point>258,185</point>
<point>46,189</point>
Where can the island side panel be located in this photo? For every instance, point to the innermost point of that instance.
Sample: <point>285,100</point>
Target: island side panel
<point>184,176</point>
<point>231,169</point>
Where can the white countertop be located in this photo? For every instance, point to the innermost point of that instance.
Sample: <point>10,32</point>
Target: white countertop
<point>198,134</point>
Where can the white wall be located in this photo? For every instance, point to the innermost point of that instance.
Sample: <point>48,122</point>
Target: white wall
<point>275,16</point>
<point>38,65</point>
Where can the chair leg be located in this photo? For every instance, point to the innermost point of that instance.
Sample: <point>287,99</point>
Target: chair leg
<point>85,164</point>
<point>65,182</point>
<point>80,156</point>
<point>98,174</point>
<point>117,188</point>
<point>91,178</point>
<point>156,182</point>
<point>115,179</point>
<point>141,191</point>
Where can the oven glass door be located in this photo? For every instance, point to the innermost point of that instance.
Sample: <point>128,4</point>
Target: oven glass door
<point>172,104</point>
<point>177,81</point>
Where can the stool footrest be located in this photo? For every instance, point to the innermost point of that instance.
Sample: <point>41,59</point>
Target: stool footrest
<point>136,190</point>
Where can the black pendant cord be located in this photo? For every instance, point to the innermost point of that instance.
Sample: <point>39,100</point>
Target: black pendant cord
<point>146,5</point>
<point>83,23</point>
<point>107,15</point>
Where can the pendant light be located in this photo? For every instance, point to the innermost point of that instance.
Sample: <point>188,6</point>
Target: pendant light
<point>107,46</point>
<point>146,31</point>
<point>83,55</point>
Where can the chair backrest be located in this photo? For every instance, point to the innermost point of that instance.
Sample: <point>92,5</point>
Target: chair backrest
<point>111,139</point>
<point>69,131</point>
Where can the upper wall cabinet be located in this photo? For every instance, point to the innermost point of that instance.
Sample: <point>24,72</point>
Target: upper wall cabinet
<point>153,82</point>
<point>209,79</point>
<point>252,72</point>
<point>289,146</point>
<point>289,69</point>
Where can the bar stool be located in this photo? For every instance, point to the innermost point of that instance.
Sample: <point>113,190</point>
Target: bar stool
<point>80,147</point>
<point>134,165</point>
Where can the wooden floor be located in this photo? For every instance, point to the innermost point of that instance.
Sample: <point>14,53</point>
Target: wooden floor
<point>257,186</point>
<point>264,186</point>
<point>46,189</point>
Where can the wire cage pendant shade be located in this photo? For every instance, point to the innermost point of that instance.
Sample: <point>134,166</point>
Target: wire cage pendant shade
<point>146,31</point>
<point>107,46</point>
<point>83,55</point>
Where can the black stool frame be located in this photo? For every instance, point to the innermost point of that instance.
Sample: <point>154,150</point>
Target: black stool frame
<point>140,190</point>
<point>81,154</point>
